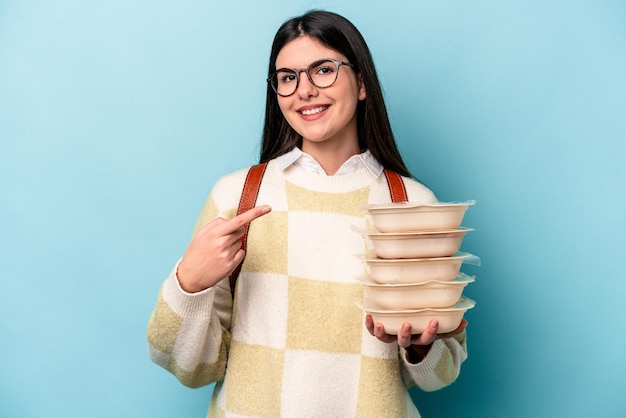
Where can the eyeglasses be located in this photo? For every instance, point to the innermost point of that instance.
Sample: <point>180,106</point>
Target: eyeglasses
<point>321,74</point>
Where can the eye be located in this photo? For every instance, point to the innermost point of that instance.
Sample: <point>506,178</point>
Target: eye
<point>324,68</point>
<point>285,77</point>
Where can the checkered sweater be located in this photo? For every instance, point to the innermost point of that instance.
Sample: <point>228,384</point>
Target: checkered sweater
<point>294,344</point>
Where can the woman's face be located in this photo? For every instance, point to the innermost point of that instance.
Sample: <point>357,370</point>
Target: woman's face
<point>322,116</point>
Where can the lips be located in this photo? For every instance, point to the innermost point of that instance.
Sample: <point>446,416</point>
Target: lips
<point>311,111</point>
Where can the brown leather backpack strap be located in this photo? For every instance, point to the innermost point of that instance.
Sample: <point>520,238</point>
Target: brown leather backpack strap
<point>396,186</point>
<point>246,202</point>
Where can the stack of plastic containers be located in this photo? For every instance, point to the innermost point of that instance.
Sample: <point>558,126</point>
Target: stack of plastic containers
<point>412,268</point>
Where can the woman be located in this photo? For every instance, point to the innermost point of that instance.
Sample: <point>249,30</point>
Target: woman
<point>292,342</point>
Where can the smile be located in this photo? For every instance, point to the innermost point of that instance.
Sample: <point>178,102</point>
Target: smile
<point>314,111</point>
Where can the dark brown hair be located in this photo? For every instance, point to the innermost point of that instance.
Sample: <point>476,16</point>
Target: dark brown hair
<point>374,129</point>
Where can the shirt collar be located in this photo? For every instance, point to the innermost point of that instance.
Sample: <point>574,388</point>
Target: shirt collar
<point>353,164</point>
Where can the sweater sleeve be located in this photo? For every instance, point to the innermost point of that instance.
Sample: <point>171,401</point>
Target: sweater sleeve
<point>189,334</point>
<point>439,368</point>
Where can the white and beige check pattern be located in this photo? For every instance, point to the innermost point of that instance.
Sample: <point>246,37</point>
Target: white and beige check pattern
<point>295,344</point>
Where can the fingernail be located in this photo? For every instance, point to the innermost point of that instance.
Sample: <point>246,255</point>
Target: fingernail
<point>406,328</point>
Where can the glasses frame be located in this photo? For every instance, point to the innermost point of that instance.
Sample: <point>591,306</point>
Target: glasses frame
<point>337,63</point>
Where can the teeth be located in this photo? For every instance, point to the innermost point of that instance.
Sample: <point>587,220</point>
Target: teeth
<point>314,111</point>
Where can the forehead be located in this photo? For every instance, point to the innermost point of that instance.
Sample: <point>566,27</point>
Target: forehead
<point>303,51</point>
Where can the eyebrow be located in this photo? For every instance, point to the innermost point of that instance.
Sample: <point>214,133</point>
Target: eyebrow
<point>312,62</point>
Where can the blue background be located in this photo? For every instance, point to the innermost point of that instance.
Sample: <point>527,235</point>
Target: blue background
<point>116,118</point>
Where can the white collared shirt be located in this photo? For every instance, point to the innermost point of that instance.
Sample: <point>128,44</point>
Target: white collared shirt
<point>301,159</point>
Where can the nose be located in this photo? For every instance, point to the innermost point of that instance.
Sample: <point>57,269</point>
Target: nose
<point>305,88</point>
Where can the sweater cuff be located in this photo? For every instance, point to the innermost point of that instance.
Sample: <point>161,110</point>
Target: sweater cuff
<point>438,369</point>
<point>196,305</point>
<point>428,364</point>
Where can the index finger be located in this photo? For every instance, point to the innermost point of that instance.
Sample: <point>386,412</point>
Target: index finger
<point>248,216</point>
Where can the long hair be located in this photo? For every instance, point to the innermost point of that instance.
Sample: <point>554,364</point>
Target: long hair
<point>339,34</point>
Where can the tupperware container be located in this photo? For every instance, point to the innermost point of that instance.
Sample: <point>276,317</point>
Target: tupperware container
<point>423,244</point>
<point>430,294</point>
<point>415,270</point>
<point>411,217</point>
<point>449,318</point>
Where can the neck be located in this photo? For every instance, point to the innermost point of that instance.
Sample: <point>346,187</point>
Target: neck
<point>331,156</point>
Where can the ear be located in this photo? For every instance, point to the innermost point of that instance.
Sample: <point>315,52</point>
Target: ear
<point>362,91</point>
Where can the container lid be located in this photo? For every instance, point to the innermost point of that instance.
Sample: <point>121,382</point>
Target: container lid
<point>375,233</point>
<point>407,205</point>
<point>461,279</point>
<point>463,304</point>
<point>467,258</point>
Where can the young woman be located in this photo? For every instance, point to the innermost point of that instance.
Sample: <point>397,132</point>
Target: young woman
<point>292,342</point>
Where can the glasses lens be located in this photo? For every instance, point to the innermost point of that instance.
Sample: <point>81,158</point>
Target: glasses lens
<point>284,82</point>
<point>323,73</point>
